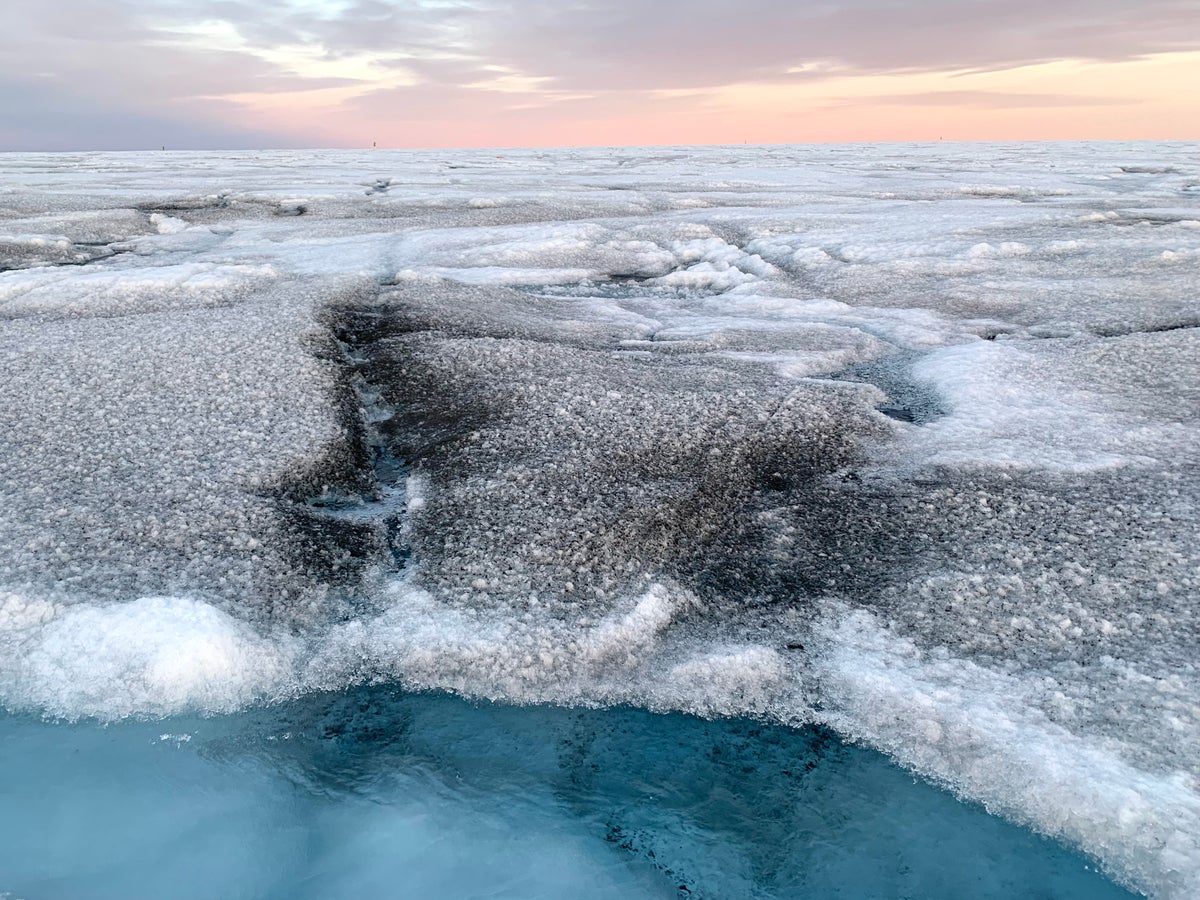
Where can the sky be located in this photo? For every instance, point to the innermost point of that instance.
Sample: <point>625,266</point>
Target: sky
<point>240,74</point>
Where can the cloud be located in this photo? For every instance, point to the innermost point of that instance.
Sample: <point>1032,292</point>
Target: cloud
<point>162,61</point>
<point>37,116</point>
<point>672,44</point>
<point>124,74</point>
<point>984,100</point>
<point>424,103</point>
<point>690,43</point>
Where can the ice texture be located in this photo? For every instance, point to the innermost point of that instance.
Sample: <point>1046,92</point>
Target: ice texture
<point>899,440</point>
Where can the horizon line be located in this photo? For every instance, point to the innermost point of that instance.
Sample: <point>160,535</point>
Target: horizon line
<point>615,146</point>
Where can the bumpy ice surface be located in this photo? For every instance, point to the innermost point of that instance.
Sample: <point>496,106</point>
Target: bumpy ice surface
<point>899,441</point>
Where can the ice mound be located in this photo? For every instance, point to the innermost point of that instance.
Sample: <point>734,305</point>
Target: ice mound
<point>633,654</point>
<point>21,251</point>
<point>903,442</point>
<point>151,656</point>
<point>981,733</point>
<point>118,291</point>
<point>1064,406</point>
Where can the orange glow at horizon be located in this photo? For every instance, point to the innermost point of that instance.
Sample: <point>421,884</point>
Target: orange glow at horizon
<point>1148,98</point>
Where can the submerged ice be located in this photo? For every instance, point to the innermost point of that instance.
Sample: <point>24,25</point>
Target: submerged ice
<point>898,441</point>
<point>376,793</point>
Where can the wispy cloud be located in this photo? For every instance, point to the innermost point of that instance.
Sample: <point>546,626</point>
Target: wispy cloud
<point>606,44</point>
<point>983,100</point>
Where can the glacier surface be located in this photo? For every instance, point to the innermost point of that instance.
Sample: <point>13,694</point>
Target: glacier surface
<point>900,441</point>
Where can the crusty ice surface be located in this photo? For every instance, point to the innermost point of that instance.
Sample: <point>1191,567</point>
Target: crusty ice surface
<point>902,439</point>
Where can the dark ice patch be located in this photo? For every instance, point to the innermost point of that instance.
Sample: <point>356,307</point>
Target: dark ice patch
<point>1149,170</point>
<point>909,400</point>
<point>563,474</point>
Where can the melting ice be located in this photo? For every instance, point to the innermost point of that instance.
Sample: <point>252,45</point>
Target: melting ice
<point>895,443</point>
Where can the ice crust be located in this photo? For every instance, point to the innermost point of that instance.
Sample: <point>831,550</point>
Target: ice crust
<point>899,439</point>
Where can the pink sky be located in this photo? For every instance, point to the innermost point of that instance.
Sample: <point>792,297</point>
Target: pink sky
<point>429,73</point>
<point>1055,101</point>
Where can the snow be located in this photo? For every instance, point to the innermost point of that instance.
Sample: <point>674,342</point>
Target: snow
<point>898,439</point>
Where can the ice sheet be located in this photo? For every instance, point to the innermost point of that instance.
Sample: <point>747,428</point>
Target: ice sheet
<point>901,439</point>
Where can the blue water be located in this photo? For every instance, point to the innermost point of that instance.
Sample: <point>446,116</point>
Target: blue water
<point>378,793</point>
